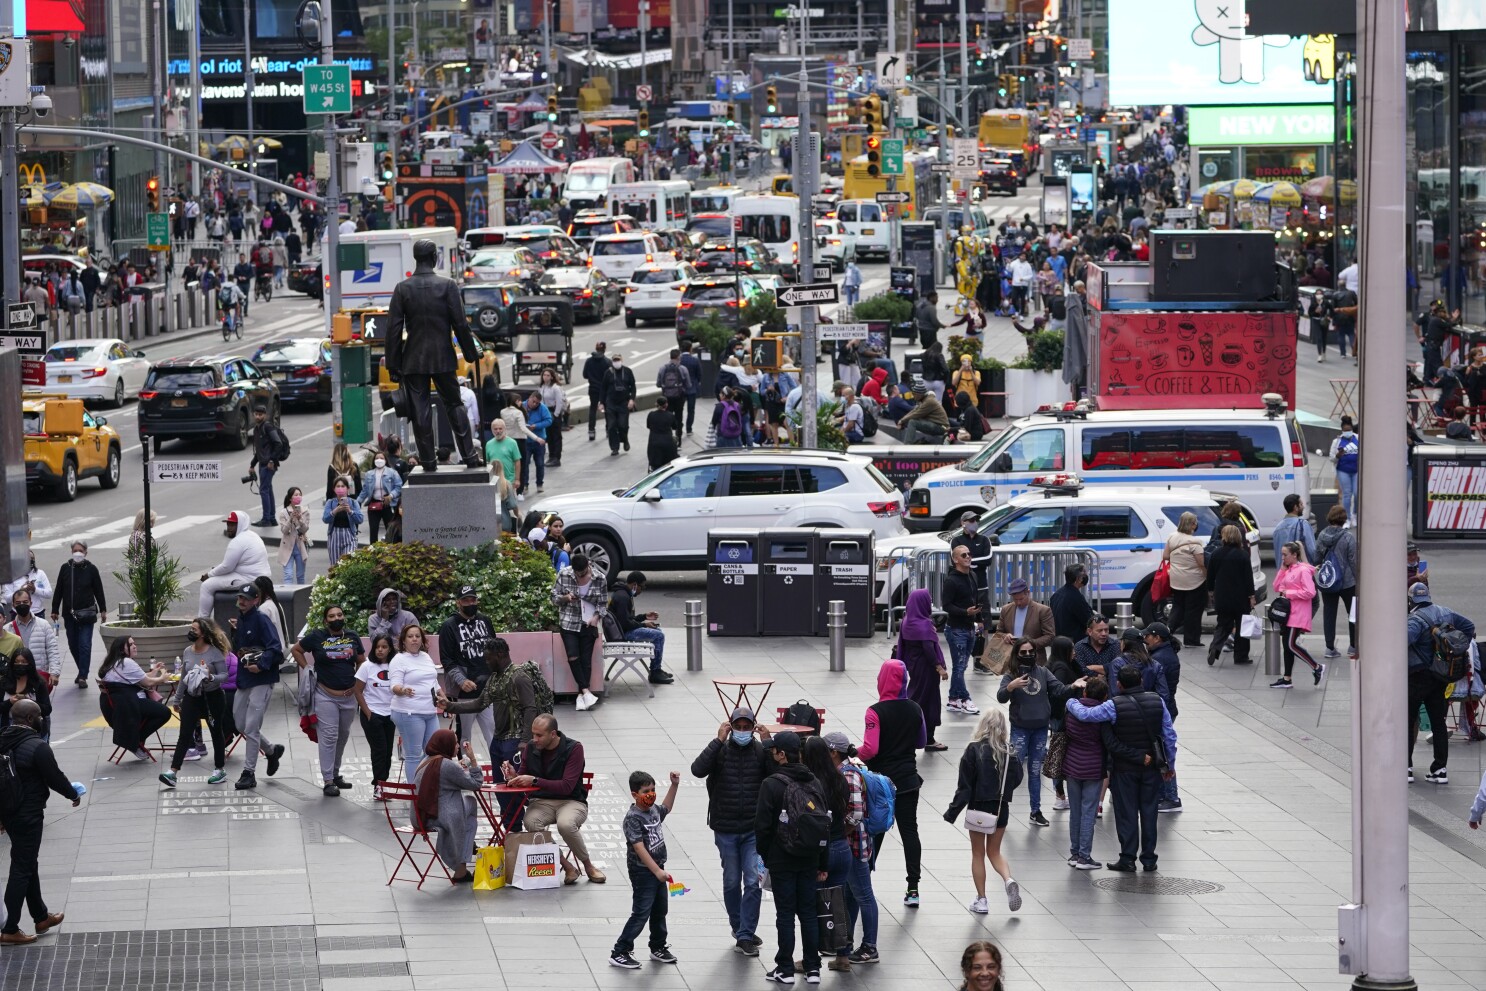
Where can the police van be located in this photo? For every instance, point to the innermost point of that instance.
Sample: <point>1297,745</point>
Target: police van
<point>1256,455</point>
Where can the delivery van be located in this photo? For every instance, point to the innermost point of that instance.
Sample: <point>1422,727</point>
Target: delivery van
<point>389,260</point>
<point>587,184</point>
<point>772,220</point>
<point>656,205</point>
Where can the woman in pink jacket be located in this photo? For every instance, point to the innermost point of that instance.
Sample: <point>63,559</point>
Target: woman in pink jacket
<point>1296,582</point>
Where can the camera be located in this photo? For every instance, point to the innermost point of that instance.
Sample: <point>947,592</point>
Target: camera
<point>247,479</point>
<point>41,105</point>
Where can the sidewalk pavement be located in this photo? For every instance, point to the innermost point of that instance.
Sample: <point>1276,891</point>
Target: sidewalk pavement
<point>283,884</point>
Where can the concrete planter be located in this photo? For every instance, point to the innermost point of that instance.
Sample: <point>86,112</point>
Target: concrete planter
<point>160,643</point>
<point>1026,390</point>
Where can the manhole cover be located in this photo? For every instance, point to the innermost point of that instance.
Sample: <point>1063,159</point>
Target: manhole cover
<point>1146,884</point>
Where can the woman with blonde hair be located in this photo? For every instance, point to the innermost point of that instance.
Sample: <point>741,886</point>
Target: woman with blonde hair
<point>989,773</point>
<point>505,494</point>
<point>342,465</point>
<point>1185,555</point>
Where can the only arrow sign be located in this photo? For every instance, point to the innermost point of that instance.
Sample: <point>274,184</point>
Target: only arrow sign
<point>899,196</point>
<point>807,295</point>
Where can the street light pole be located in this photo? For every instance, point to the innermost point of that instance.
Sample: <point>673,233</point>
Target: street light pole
<point>10,189</point>
<point>193,53</point>
<point>330,260</point>
<point>248,84</point>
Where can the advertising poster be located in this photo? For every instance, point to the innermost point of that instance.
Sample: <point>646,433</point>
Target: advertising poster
<point>1145,360</point>
<point>1449,493</point>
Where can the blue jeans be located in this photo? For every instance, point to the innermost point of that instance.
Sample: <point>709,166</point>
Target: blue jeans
<point>644,634</point>
<point>1168,790</point>
<point>1030,746</point>
<point>650,897</point>
<point>960,642</point>
<point>860,898</point>
<point>294,567</point>
<point>415,729</point>
<point>80,643</point>
<point>265,491</point>
<point>739,851</point>
<point>838,868</point>
<point>1083,807</point>
<point>532,451</point>
<point>1346,482</point>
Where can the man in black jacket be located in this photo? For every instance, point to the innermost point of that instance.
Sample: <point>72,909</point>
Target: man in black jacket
<point>619,392</point>
<point>462,640</point>
<point>1071,610</point>
<point>77,597</point>
<point>593,373</point>
<point>36,768</point>
<point>640,628</point>
<point>735,765</point>
<point>793,876</point>
<point>962,603</point>
<point>424,309</point>
<point>270,447</point>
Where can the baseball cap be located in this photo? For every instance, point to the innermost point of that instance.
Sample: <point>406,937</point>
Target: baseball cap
<point>742,712</point>
<point>250,591</point>
<point>1131,635</point>
<point>838,742</point>
<point>787,741</point>
<point>969,516</point>
<point>1419,592</point>
<point>1158,630</point>
<point>234,517</point>
<point>1017,586</point>
<point>468,592</point>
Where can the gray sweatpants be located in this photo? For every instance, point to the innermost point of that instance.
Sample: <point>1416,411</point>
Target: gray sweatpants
<point>335,717</point>
<point>248,709</point>
<point>484,719</point>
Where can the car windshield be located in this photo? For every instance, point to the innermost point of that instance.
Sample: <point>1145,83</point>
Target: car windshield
<point>294,352</point>
<point>565,277</point>
<point>496,259</point>
<point>587,182</point>
<point>770,228</point>
<point>626,247</point>
<point>656,277</point>
<point>714,226</point>
<point>537,243</point>
<point>180,379</point>
<point>712,293</point>
<point>645,482</point>
<point>1207,518</point>
<point>479,296</point>
<point>709,202</point>
<point>75,352</point>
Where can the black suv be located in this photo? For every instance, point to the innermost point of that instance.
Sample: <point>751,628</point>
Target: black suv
<point>744,255</point>
<point>201,398</point>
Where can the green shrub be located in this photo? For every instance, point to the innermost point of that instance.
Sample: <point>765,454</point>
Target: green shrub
<point>1044,352</point>
<point>962,345</point>
<point>764,312</point>
<point>884,306</point>
<point>712,335</point>
<point>153,577</point>
<point>828,433</point>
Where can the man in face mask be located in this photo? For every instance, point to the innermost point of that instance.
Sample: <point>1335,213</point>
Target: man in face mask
<point>735,765</point>
<point>462,640</point>
<point>619,391</point>
<point>39,635</point>
<point>637,627</point>
<point>35,582</point>
<point>38,775</point>
<point>81,604</point>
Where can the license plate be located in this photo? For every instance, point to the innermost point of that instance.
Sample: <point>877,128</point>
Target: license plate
<point>64,378</point>
<point>281,376</point>
<point>869,230</point>
<point>177,403</point>
<point>712,312</point>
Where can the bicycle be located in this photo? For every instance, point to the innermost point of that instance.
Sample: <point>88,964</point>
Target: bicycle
<point>263,287</point>
<point>232,320</point>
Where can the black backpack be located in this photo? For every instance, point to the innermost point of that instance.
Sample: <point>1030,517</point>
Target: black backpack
<point>869,419</point>
<point>805,826</point>
<point>12,789</point>
<point>670,380</point>
<point>280,442</point>
<point>802,713</point>
<point>1452,651</point>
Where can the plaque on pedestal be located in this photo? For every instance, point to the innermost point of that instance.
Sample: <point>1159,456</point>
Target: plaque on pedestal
<point>453,507</point>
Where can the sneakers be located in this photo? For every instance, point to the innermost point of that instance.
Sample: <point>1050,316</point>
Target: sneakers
<point>813,976</point>
<point>1087,864</point>
<point>342,783</point>
<point>1351,653</point>
<point>969,708</point>
<point>910,898</point>
<point>586,700</point>
<point>745,947</point>
<point>1038,819</point>
<point>265,523</point>
<point>953,704</point>
<point>194,754</point>
<point>1319,672</point>
<point>1013,895</point>
<point>863,954</point>
<point>663,955</point>
<point>1440,777</point>
<point>167,778</point>
<point>248,780</point>
<point>218,776</point>
<point>1411,775</point>
<point>142,754</point>
<point>1332,653</point>
<point>330,790</point>
<point>275,754</point>
<point>979,905</point>
<point>1060,805</point>
<point>774,976</point>
<point>1169,805</point>
<point>624,960</point>
<point>1282,683</point>
<point>1072,860</point>
<point>1099,812</point>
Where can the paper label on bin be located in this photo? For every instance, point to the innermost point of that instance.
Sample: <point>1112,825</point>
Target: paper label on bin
<point>845,570</point>
<point>734,569</point>
<point>790,569</point>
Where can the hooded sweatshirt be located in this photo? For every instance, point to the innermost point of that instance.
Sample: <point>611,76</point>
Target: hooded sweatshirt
<point>377,624</point>
<point>246,556</point>
<point>872,388</point>
<point>895,729</point>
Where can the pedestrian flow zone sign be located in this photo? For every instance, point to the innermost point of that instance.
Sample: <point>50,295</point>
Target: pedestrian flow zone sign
<point>176,470</point>
<point>327,89</point>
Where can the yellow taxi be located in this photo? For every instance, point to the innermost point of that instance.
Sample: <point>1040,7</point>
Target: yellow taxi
<point>369,324</point>
<point>65,443</point>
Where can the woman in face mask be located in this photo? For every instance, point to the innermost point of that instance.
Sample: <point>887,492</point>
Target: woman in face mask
<point>343,515</point>
<point>21,681</point>
<point>294,545</point>
<point>79,600</point>
<point>381,492</point>
<point>198,696</point>
<point>335,653</point>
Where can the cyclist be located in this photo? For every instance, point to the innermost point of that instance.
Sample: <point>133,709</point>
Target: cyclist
<point>263,270</point>
<point>232,302</point>
<point>243,275</point>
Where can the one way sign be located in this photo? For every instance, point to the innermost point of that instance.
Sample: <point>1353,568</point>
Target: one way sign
<point>895,196</point>
<point>807,295</point>
<point>19,315</point>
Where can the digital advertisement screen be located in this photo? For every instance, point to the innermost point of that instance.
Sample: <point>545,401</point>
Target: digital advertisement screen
<point>1081,191</point>
<point>1199,49</point>
<point>1449,496</point>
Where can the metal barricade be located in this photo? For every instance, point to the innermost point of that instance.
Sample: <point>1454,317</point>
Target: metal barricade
<point>1042,570</point>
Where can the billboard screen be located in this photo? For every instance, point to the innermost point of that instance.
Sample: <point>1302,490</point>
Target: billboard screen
<point>1196,52</point>
<point>1216,126</point>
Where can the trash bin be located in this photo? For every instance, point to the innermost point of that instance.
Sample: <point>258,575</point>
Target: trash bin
<point>787,580</point>
<point>732,583</point>
<point>843,570</point>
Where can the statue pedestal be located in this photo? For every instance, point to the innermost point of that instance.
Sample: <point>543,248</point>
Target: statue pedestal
<point>453,507</point>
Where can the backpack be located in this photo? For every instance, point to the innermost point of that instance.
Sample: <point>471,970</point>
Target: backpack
<point>802,713</point>
<point>280,442</point>
<point>804,821</point>
<point>879,794</point>
<point>731,424</point>
<point>869,419</point>
<point>1329,574</point>
<point>540,690</point>
<point>1346,456</point>
<point>670,380</point>
<point>12,789</point>
<point>1452,651</point>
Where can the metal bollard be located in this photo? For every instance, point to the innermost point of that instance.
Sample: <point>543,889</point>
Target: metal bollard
<point>1124,617</point>
<point>1274,651</point>
<point>836,628</point>
<point>694,623</point>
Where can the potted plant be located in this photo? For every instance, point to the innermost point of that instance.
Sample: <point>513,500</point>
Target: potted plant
<point>828,433</point>
<point>764,312</point>
<point>154,577</point>
<point>712,339</point>
<point>1035,378</point>
<point>992,386</point>
<point>886,311</point>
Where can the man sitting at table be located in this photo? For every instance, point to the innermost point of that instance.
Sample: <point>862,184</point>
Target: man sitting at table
<point>555,765</point>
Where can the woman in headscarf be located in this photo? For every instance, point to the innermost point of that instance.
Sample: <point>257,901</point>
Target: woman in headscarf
<point>444,781</point>
<point>895,730</point>
<point>918,649</point>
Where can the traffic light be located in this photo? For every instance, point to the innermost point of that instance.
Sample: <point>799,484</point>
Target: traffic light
<point>152,193</point>
<point>386,166</point>
<point>872,113</point>
<point>552,108</point>
<point>874,155</point>
<point>732,114</point>
<point>1003,86</point>
<point>644,121</point>
<point>771,100</point>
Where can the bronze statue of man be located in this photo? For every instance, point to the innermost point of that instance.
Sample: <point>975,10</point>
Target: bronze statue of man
<point>425,308</point>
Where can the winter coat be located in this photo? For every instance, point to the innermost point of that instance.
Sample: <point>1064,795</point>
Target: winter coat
<point>1297,583</point>
<point>734,776</point>
<point>980,778</point>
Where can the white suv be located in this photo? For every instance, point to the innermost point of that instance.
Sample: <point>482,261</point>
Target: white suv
<point>1126,527</point>
<point>619,255</point>
<point>662,520</point>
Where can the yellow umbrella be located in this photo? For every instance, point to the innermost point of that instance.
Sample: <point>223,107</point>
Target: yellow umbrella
<point>1278,194</point>
<point>235,142</point>
<point>80,195</point>
<point>1243,189</point>
<point>273,144</point>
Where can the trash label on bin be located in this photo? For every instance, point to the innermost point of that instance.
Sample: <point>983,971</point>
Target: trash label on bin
<point>846,570</point>
<point>732,553</point>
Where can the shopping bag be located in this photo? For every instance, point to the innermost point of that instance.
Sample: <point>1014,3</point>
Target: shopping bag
<point>531,860</point>
<point>830,911</point>
<point>1250,627</point>
<point>997,655</point>
<point>1161,583</point>
<point>490,868</point>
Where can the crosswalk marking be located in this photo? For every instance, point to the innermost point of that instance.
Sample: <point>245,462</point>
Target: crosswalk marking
<point>124,526</point>
<point>67,529</point>
<point>126,523</point>
<point>161,530</point>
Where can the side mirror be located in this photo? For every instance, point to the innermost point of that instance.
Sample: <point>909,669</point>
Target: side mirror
<point>102,421</point>
<point>1002,464</point>
<point>139,354</point>
<point>651,495</point>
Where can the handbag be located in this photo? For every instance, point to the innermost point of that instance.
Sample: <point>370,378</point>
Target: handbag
<point>1057,750</point>
<point>831,915</point>
<point>997,655</point>
<point>1161,583</point>
<point>89,615</point>
<point>988,822</point>
<point>490,868</point>
<point>1249,627</point>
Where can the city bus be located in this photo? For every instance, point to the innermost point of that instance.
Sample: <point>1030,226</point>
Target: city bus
<point>917,180</point>
<point>1011,131</point>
